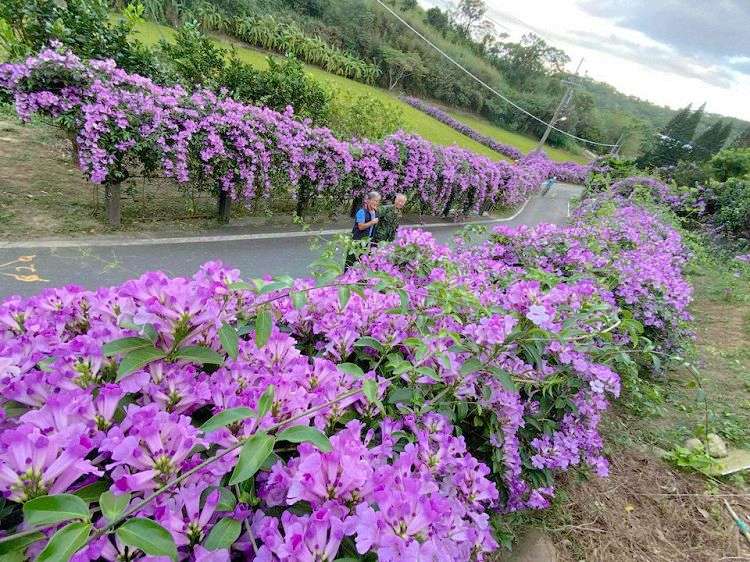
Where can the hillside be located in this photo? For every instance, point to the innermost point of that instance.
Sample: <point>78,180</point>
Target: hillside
<point>414,121</point>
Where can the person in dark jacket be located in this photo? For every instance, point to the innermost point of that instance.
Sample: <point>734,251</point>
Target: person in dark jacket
<point>389,217</point>
<point>365,222</point>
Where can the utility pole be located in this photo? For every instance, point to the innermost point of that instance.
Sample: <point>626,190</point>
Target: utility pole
<point>567,96</point>
<point>616,148</point>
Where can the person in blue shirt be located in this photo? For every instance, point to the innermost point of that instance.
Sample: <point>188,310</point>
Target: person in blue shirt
<point>547,185</point>
<point>365,222</point>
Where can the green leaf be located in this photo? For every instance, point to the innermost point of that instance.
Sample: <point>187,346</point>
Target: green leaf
<point>230,341</point>
<point>272,286</point>
<point>351,369</point>
<point>404,300</point>
<point>240,286</point>
<point>265,401</point>
<point>227,501</point>
<point>227,417</point>
<point>253,454</point>
<point>367,341</point>
<point>150,332</point>
<point>344,294</point>
<point>46,510</point>
<point>92,492</point>
<point>471,365</point>
<point>504,377</point>
<point>399,394</point>
<point>65,543</point>
<point>263,325</point>
<point>19,543</point>
<point>223,534</point>
<point>429,372</point>
<point>148,536</point>
<point>299,299</point>
<point>137,359</point>
<point>370,389</point>
<point>113,506</point>
<point>302,434</point>
<point>124,345</point>
<point>199,354</point>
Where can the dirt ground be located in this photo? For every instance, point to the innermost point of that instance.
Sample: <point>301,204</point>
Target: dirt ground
<point>648,512</point>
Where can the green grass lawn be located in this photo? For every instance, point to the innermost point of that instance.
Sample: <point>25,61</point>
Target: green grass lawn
<point>414,120</point>
<point>522,142</point>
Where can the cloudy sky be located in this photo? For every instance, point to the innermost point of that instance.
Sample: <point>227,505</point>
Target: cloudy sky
<point>671,52</point>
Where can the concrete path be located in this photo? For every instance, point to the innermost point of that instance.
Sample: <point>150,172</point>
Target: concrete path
<point>28,267</point>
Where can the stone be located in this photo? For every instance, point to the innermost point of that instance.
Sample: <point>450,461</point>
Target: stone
<point>534,546</point>
<point>737,460</point>
<point>716,446</point>
<point>693,444</point>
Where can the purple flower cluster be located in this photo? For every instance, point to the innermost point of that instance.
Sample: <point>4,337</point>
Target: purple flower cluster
<point>124,122</point>
<point>504,149</point>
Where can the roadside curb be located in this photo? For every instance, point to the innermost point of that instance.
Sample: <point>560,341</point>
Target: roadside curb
<point>98,242</point>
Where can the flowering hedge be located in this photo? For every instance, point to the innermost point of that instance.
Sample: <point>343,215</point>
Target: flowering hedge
<point>564,171</point>
<point>504,149</point>
<point>124,123</point>
<point>390,410</point>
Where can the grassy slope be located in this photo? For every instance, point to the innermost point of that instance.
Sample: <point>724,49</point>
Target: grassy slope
<point>522,142</point>
<point>414,120</point>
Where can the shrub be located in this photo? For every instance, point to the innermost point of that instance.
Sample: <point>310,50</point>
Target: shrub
<point>733,200</point>
<point>363,116</point>
<point>82,26</point>
<point>195,58</point>
<point>288,38</point>
<point>383,413</point>
<point>730,163</point>
<point>284,84</point>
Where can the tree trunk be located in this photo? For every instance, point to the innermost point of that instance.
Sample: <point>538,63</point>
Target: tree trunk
<point>113,204</point>
<point>224,207</point>
<point>449,204</point>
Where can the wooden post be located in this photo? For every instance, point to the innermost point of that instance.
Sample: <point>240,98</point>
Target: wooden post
<point>225,206</point>
<point>113,204</point>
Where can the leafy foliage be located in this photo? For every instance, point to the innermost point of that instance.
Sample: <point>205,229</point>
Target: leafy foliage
<point>83,26</point>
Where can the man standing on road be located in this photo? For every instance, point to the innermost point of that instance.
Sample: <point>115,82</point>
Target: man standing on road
<point>389,219</point>
<point>365,221</point>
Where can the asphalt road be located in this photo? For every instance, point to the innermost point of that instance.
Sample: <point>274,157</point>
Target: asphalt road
<point>28,267</point>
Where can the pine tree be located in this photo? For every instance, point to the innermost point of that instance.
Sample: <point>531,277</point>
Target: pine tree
<point>665,149</point>
<point>743,139</point>
<point>712,140</point>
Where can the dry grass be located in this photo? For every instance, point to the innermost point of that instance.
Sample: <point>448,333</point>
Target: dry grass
<point>648,512</point>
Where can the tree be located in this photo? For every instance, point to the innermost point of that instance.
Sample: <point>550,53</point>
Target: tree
<point>743,139</point>
<point>400,65</point>
<point>712,140</point>
<point>439,20</point>
<point>407,5</point>
<point>195,58</point>
<point>674,141</point>
<point>531,57</point>
<point>468,15</point>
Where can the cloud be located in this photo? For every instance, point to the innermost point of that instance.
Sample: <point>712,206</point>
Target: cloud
<point>632,46</point>
<point>716,29</point>
<point>657,58</point>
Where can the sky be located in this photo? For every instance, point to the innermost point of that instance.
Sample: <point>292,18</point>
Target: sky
<point>670,52</point>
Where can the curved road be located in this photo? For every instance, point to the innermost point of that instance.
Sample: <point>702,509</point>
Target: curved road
<point>28,267</point>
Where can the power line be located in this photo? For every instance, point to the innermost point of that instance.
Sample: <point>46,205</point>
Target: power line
<point>483,83</point>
